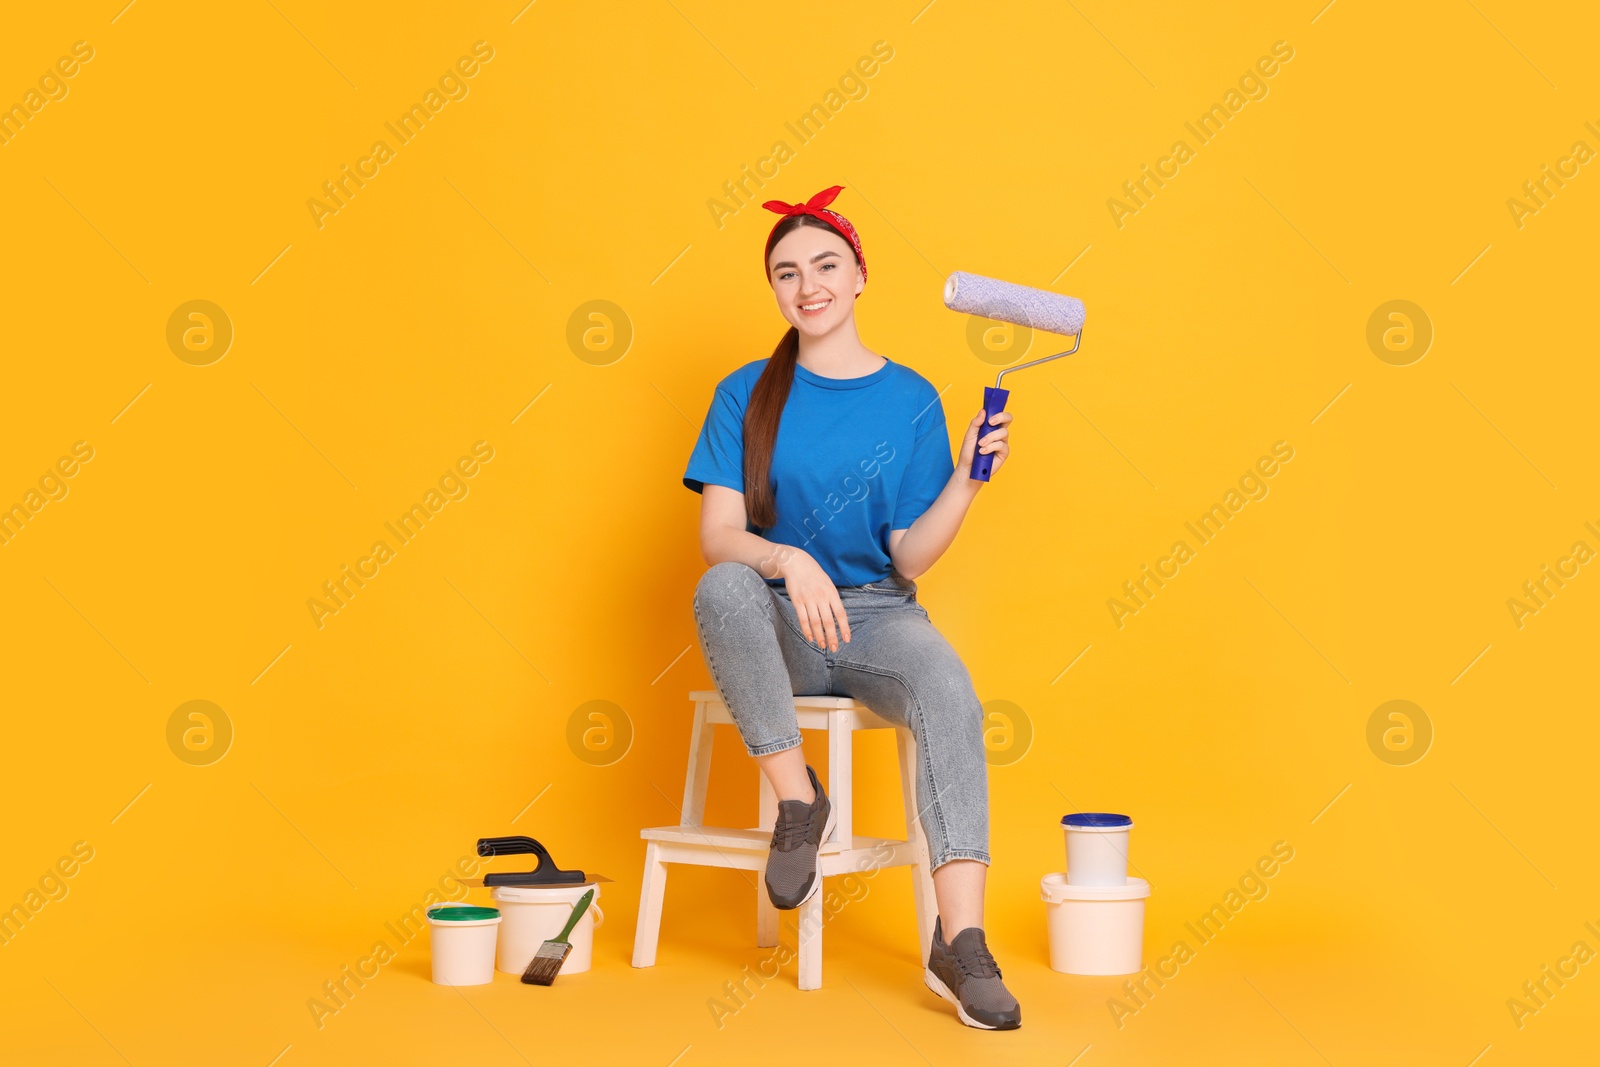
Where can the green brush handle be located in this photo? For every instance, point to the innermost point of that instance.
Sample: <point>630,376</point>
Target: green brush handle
<point>577,913</point>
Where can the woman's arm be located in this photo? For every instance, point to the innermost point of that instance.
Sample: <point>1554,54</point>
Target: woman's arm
<point>916,549</point>
<point>723,536</point>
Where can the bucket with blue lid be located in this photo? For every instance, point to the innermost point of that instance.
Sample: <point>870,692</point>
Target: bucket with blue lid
<point>1095,911</point>
<point>1097,847</point>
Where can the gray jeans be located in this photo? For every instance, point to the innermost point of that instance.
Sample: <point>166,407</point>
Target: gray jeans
<point>895,663</point>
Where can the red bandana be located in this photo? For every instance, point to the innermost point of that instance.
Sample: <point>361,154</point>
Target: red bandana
<point>818,206</point>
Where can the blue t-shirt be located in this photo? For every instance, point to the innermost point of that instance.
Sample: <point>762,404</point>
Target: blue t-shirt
<point>854,459</point>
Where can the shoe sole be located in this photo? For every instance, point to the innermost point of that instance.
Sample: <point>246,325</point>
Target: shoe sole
<point>816,875</point>
<point>934,983</point>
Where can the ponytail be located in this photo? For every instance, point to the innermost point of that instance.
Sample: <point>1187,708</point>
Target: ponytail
<point>761,420</point>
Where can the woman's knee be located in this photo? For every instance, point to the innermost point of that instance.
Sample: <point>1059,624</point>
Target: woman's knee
<point>944,692</point>
<point>726,586</point>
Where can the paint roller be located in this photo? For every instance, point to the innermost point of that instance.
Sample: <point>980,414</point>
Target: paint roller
<point>1037,309</point>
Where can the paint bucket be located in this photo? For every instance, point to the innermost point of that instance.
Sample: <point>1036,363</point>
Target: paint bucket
<point>462,939</point>
<point>1095,929</point>
<point>535,914</point>
<point>1097,847</point>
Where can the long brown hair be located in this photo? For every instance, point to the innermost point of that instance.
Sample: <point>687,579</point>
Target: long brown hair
<point>768,397</point>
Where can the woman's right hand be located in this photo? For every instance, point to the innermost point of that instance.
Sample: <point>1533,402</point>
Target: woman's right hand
<point>815,599</point>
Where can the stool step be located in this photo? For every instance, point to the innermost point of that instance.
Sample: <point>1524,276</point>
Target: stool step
<point>761,841</point>
<point>737,840</point>
<point>721,846</point>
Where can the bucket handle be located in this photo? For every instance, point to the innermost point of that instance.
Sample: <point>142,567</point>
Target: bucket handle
<point>599,916</point>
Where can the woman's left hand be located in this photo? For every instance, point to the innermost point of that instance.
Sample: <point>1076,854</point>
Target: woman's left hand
<point>992,440</point>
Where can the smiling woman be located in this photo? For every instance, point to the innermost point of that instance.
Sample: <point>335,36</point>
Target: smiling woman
<point>801,600</point>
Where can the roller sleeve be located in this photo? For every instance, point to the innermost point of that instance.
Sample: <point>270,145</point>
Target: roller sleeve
<point>1021,305</point>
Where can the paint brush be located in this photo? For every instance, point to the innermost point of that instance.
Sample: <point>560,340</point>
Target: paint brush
<point>546,963</point>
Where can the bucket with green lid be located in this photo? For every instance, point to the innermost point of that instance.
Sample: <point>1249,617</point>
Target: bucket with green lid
<point>463,942</point>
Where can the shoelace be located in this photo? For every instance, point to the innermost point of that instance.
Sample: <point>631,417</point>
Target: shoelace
<point>977,963</point>
<point>790,832</point>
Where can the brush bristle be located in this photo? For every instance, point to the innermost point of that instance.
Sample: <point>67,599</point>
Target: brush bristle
<point>546,963</point>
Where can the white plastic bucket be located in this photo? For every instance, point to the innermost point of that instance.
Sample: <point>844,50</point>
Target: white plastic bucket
<point>463,948</point>
<point>1097,848</point>
<point>1095,929</point>
<point>535,914</point>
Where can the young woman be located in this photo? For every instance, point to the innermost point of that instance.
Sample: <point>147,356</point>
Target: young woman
<point>827,488</point>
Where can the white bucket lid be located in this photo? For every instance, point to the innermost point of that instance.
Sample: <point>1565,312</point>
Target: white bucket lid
<point>1055,889</point>
<point>542,894</point>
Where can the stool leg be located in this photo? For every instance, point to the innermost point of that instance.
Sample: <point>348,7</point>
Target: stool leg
<point>840,781</point>
<point>648,932</point>
<point>927,903</point>
<point>766,911</point>
<point>701,734</point>
<point>810,936</point>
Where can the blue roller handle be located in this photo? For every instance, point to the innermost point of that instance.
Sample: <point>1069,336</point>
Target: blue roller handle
<point>994,402</point>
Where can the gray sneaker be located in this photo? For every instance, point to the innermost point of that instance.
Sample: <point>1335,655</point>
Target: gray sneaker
<point>792,875</point>
<point>964,973</point>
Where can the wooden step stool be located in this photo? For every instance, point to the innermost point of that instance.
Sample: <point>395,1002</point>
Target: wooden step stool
<point>842,853</point>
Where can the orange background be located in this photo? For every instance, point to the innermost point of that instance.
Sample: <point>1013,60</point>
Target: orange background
<point>444,304</point>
